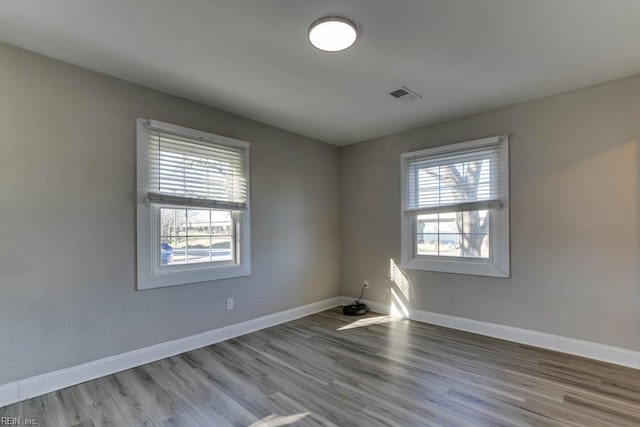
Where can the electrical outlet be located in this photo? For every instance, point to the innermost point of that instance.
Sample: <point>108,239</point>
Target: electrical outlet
<point>365,284</point>
<point>229,304</point>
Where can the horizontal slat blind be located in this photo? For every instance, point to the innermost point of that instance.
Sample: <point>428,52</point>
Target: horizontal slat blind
<point>192,172</point>
<point>462,180</point>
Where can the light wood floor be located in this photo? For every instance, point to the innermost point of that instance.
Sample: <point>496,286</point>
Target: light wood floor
<point>329,369</point>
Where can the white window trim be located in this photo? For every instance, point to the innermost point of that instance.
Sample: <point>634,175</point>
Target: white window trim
<point>498,265</point>
<point>150,272</point>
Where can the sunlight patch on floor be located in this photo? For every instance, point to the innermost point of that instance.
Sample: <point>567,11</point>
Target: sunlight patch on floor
<point>280,420</point>
<point>368,321</point>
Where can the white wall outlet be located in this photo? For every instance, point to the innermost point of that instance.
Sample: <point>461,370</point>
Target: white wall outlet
<point>229,304</point>
<point>365,284</point>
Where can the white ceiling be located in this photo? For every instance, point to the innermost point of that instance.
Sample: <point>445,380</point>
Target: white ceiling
<point>252,57</point>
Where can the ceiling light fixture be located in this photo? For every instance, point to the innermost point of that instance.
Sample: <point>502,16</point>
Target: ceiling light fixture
<point>333,33</point>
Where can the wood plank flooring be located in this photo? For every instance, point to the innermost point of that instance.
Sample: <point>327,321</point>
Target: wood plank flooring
<point>331,370</point>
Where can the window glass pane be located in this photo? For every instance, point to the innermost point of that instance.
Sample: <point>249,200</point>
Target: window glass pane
<point>428,223</point>
<point>190,236</point>
<point>449,223</point>
<point>166,250</point>
<point>427,235</point>
<point>198,222</point>
<point>172,222</point>
<point>449,245</point>
<point>475,245</point>
<point>222,248</point>
<point>427,244</point>
<point>221,224</point>
<point>475,241</point>
<point>475,222</point>
<point>457,234</point>
<point>198,249</point>
<point>181,222</point>
<point>173,250</point>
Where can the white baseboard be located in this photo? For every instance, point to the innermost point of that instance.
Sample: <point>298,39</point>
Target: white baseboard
<point>52,381</point>
<point>591,350</point>
<point>9,393</point>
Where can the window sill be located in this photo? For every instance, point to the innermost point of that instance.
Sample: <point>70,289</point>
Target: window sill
<point>470,267</point>
<point>197,275</point>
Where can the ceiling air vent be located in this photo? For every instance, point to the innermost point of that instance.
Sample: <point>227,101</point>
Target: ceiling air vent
<point>405,94</point>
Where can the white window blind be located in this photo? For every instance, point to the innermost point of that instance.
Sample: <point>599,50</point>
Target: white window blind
<point>466,179</point>
<point>190,171</point>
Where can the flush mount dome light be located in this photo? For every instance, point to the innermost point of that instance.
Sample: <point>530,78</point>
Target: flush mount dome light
<point>333,33</point>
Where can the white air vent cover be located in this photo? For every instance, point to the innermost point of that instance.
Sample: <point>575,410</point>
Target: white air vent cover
<point>405,94</point>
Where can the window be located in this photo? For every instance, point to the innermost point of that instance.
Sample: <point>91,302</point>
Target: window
<point>192,207</point>
<point>455,208</point>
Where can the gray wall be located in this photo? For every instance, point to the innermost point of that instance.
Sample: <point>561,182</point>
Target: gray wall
<point>67,220</point>
<point>575,254</point>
